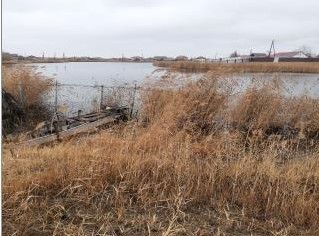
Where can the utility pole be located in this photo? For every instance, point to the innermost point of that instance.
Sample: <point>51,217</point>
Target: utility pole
<point>272,48</point>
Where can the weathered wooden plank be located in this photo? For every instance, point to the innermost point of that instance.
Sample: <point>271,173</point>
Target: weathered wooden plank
<point>70,132</point>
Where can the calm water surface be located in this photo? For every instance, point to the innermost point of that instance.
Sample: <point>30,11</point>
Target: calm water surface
<point>128,74</point>
<point>88,98</point>
<point>91,73</point>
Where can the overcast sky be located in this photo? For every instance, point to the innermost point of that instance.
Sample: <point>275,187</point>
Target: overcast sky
<point>110,28</point>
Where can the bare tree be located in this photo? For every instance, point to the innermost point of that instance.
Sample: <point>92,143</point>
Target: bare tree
<point>306,50</point>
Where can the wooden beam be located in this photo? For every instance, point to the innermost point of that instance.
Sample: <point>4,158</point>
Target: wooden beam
<point>68,133</point>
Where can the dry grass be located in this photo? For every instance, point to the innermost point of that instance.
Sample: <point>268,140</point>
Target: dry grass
<point>32,84</point>
<point>28,88</point>
<point>193,165</point>
<point>256,67</point>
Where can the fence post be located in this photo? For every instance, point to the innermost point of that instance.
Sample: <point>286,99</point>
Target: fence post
<point>56,122</point>
<point>102,94</point>
<point>133,101</point>
<point>56,98</point>
<point>56,128</point>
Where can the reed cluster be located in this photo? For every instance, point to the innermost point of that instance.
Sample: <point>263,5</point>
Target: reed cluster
<point>27,87</point>
<point>256,67</point>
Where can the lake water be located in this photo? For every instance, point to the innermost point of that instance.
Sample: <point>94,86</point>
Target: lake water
<point>72,98</point>
<point>97,73</point>
<point>290,84</point>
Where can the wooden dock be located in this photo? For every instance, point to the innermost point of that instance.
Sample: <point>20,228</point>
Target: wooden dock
<point>91,121</point>
<point>84,128</point>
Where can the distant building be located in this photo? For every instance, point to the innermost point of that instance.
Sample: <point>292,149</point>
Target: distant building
<point>294,54</point>
<point>161,58</point>
<point>31,57</point>
<point>125,59</point>
<point>181,58</point>
<point>258,54</point>
<point>137,59</point>
<point>244,56</point>
<point>201,59</point>
<point>148,59</point>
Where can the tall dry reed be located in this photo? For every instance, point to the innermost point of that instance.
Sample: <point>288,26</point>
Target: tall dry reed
<point>28,88</point>
<point>255,67</point>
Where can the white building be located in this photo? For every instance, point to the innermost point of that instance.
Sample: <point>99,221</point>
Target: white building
<point>295,54</point>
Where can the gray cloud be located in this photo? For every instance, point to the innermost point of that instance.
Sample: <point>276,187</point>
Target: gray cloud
<point>157,27</point>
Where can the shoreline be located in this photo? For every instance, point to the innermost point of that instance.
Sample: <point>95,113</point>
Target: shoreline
<point>251,67</point>
<point>54,62</point>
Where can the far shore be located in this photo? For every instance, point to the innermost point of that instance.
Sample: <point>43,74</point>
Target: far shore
<point>46,62</point>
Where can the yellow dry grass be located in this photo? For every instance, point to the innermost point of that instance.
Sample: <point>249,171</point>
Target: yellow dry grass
<point>256,67</point>
<point>28,88</point>
<point>21,80</point>
<point>192,165</point>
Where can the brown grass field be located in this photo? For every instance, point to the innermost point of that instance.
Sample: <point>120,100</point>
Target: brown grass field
<point>256,67</point>
<point>195,163</point>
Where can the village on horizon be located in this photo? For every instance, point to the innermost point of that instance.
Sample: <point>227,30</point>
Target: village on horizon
<point>300,55</point>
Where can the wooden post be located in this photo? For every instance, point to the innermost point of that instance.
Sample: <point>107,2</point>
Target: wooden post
<point>133,101</point>
<point>102,94</point>
<point>56,98</point>
<point>79,114</point>
<point>56,129</point>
